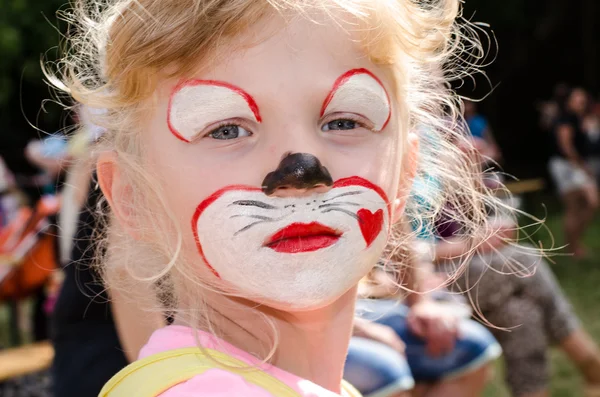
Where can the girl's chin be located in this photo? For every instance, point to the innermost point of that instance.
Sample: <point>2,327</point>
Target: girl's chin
<point>266,303</point>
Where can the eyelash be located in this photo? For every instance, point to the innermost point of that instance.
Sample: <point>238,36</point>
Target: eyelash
<point>226,123</point>
<point>358,120</point>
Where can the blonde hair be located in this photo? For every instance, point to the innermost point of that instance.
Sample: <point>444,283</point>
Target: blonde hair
<point>121,49</point>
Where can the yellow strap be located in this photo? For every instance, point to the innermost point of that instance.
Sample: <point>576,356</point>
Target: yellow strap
<point>350,390</point>
<point>153,375</point>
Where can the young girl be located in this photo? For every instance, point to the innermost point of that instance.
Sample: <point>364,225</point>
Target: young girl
<point>257,156</point>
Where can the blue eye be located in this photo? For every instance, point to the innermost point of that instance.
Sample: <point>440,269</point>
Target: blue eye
<point>340,125</point>
<point>229,132</point>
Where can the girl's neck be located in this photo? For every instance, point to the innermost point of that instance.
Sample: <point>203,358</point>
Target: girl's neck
<point>311,345</point>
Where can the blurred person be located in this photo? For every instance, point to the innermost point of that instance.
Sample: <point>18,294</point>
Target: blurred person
<point>517,296</point>
<point>6,178</point>
<point>50,154</point>
<point>550,110</point>
<point>484,143</point>
<point>26,209</point>
<point>591,127</point>
<point>47,157</point>
<point>27,176</point>
<point>8,201</point>
<point>571,173</point>
<point>481,132</point>
<point>408,343</point>
<point>512,289</point>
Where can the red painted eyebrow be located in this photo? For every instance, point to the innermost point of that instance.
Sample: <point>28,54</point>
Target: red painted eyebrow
<point>196,82</point>
<point>343,79</point>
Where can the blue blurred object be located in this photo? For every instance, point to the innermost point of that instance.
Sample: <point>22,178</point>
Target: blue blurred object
<point>376,369</point>
<point>54,146</point>
<point>383,366</point>
<point>477,125</point>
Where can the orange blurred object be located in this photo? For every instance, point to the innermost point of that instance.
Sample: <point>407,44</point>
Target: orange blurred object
<point>27,250</point>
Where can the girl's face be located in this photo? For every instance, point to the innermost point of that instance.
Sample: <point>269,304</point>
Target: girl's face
<point>281,162</point>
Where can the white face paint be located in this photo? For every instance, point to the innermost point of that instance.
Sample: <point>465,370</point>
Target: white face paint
<point>196,104</point>
<point>359,91</point>
<point>301,252</point>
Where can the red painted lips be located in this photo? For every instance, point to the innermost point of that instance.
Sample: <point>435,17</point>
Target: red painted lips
<point>302,237</point>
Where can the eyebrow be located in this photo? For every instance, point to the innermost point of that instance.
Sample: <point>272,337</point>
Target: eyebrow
<point>252,105</point>
<point>340,81</point>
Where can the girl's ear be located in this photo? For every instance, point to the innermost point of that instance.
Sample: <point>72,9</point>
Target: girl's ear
<point>117,191</point>
<point>409,171</point>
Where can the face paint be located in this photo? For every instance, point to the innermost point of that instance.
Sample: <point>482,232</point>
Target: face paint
<point>196,104</point>
<point>359,91</point>
<point>298,251</point>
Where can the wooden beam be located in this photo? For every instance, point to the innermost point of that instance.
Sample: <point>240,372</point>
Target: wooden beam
<point>526,186</point>
<point>25,360</point>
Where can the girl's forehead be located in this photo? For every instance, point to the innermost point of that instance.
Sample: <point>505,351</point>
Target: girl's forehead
<point>279,53</point>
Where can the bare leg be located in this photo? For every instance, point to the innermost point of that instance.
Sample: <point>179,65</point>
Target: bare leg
<point>585,354</point>
<point>403,394</point>
<point>420,390</point>
<point>468,385</point>
<point>575,219</point>
<point>590,196</point>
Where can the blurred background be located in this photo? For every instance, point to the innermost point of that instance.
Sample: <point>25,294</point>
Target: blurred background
<point>539,44</point>
<point>536,46</point>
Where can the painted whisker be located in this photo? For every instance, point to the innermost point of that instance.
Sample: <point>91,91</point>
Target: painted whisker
<point>352,193</point>
<point>352,214</point>
<point>254,203</point>
<point>248,227</point>
<point>260,217</point>
<point>339,204</point>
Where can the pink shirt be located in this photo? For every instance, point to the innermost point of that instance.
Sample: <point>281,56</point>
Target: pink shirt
<point>217,382</point>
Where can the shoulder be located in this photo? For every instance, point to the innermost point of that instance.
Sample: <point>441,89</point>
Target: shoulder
<point>216,383</point>
<point>480,119</point>
<point>477,124</point>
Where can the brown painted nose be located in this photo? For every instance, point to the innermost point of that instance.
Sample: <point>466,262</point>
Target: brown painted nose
<point>297,171</point>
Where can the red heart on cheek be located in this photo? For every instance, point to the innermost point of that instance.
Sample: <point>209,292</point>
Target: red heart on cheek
<point>370,224</point>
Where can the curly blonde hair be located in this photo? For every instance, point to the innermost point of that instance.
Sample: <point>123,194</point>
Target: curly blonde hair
<point>120,50</point>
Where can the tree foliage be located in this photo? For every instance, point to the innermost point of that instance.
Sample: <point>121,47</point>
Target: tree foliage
<point>28,32</point>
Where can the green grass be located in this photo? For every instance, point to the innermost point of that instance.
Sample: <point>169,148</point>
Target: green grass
<point>580,280</point>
